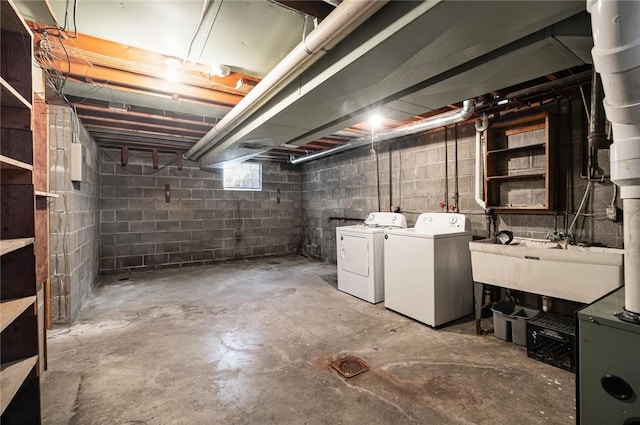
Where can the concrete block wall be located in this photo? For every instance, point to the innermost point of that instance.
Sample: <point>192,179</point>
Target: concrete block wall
<point>201,224</point>
<point>74,216</point>
<point>412,177</point>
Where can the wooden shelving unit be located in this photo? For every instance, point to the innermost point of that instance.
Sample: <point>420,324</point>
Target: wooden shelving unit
<point>19,375</point>
<point>519,164</point>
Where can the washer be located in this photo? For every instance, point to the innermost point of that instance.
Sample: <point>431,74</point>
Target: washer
<point>361,253</point>
<point>427,269</point>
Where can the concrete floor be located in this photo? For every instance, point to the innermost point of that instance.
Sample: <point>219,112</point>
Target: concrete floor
<point>251,343</point>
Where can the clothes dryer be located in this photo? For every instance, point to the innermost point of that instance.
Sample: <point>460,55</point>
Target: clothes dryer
<point>360,253</point>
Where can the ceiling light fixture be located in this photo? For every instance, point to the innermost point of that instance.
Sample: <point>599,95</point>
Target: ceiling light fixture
<point>172,62</point>
<point>375,121</point>
<point>220,70</point>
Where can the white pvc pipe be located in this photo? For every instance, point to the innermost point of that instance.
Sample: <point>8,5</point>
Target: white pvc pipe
<point>632,254</point>
<point>442,120</point>
<point>616,56</point>
<point>481,125</point>
<point>335,27</point>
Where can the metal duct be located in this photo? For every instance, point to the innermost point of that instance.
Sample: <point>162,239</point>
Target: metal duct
<point>336,26</point>
<point>442,120</point>
<point>597,136</point>
<point>616,56</point>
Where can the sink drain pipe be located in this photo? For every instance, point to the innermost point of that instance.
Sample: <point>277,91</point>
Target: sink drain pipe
<point>616,56</point>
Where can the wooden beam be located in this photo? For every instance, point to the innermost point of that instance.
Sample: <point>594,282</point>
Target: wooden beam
<point>150,134</point>
<point>179,162</point>
<point>154,156</point>
<point>125,79</point>
<point>97,51</point>
<point>128,125</point>
<point>124,155</point>
<point>160,118</point>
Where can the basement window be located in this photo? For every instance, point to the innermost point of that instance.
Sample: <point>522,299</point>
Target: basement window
<point>243,176</point>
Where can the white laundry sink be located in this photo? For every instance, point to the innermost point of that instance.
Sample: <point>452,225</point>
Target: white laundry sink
<point>574,273</point>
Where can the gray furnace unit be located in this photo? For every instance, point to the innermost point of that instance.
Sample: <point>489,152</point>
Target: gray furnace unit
<point>608,380</point>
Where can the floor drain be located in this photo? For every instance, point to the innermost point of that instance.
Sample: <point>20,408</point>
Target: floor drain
<point>350,366</point>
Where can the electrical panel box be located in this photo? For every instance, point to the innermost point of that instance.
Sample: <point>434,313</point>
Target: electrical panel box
<point>77,160</point>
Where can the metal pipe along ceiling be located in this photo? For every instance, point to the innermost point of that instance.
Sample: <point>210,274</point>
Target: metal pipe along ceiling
<point>442,120</point>
<point>348,16</point>
<point>616,56</point>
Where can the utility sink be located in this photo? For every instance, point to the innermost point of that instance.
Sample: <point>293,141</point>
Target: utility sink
<point>569,272</point>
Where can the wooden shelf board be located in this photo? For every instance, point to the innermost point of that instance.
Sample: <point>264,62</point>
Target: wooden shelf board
<point>517,177</point>
<point>12,375</point>
<point>7,163</point>
<point>46,194</point>
<point>11,98</point>
<point>516,208</point>
<point>12,20</point>
<point>11,309</point>
<point>9,245</point>
<point>518,148</point>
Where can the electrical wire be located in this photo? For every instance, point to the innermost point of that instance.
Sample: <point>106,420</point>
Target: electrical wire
<point>195,33</point>
<point>215,18</point>
<point>584,198</point>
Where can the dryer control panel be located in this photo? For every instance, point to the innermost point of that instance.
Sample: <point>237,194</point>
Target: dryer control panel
<point>385,219</point>
<point>442,223</point>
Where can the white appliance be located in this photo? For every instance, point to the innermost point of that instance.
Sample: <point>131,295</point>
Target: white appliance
<point>427,269</point>
<point>361,255</point>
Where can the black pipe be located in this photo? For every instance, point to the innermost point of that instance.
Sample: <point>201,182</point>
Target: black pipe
<point>597,135</point>
<point>345,219</point>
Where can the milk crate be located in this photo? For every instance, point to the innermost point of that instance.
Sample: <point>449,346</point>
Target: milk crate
<point>552,339</point>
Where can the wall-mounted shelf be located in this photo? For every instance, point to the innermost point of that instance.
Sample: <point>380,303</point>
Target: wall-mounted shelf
<point>518,148</point>
<point>9,245</point>
<point>11,309</point>
<point>11,98</point>
<point>518,164</point>
<point>12,375</point>
<point>517,177</point>
<point>43,194</point>
<point>19,342</point>
<point>7,163</point>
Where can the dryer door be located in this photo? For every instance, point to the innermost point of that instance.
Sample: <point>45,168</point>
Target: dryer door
<point>354,254</point>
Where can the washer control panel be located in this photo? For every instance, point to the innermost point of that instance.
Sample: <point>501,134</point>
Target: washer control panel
<point>442,223</point>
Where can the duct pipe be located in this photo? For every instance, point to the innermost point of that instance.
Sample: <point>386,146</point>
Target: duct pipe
<point>597,120</point>
<point>335,27</point>
<point>616,56</point>
<point>442,120</point>
<point>481,125</point>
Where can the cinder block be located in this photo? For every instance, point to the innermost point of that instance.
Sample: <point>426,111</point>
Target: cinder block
<point>106,228</point>
<point>128,238</point>
<point>129,261</point>
<point>143,226</point>
<point>153,260</point>
<point>163,226</point>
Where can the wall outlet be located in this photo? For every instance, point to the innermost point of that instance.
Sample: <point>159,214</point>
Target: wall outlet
<point>612,213</point>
